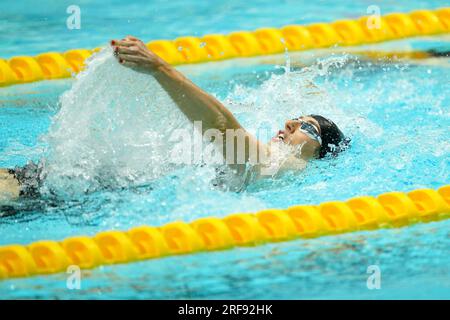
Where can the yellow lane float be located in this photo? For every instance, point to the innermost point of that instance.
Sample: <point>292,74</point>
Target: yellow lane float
<point>388,210</point>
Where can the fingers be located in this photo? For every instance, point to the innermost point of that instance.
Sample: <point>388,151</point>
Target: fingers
<point>130,47</point>
<point>129,54</point>
<point>127,41</point>
<point>131,58</point>
<point>132,52</point>
<point>127,50</point>
<point>136,51</point>
<point>123,43</point>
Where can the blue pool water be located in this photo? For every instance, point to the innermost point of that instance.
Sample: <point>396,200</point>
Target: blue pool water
<point>31,29</point>
<point>397,115</point>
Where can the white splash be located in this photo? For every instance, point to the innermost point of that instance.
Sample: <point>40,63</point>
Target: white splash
<point>111,129</point>
<point>114,124</point>
<point>292,94</point>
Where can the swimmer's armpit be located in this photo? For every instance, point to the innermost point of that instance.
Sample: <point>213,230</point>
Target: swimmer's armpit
<point>9,186</point>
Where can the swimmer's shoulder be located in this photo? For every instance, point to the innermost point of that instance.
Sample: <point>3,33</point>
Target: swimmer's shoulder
<point>9,186</point>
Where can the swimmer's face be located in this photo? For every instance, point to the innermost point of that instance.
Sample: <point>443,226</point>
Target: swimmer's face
<point>293,136</point>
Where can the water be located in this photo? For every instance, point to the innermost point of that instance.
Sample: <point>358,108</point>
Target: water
<point>27,28</point>
<point>397,115</point>
<point>120,140</point>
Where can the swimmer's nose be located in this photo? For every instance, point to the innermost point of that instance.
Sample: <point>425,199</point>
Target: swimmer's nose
<point>291,126</point>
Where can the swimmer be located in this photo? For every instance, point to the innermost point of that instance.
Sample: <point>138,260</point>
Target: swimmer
<point>316,135</point>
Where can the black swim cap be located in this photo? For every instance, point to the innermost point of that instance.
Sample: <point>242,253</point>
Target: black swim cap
<point>333,140</point>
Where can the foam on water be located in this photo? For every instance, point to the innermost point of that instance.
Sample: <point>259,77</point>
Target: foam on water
<point>295,93</point>
<point>114,125</point>
<point>396,115</point>
<point>110,130</point>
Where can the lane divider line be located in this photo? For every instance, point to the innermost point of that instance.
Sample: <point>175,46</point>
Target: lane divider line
<point>264,41</point>
<point>388,210</point>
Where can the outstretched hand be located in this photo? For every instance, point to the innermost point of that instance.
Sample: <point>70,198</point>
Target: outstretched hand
<point>132,52</point>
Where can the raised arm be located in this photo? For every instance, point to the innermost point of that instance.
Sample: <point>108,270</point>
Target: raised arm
<point>195,103</point>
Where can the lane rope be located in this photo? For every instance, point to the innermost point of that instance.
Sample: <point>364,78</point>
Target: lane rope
<point>388,210</point>
<point>264,41</point>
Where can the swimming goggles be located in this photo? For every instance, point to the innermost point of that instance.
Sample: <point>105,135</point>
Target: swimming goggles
<point>310,130</point>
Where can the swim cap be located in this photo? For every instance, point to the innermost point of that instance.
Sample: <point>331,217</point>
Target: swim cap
<point>333,140</point>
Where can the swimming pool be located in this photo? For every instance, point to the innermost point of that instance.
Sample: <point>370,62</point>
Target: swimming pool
<point>396,113</point>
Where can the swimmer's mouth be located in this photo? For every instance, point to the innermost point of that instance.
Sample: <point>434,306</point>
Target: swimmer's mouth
<point>279,136</point>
